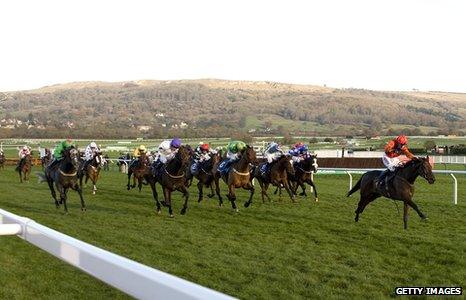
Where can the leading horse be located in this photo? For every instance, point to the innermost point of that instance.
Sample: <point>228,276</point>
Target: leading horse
<point>400,187</point>
<point>24,168</point>
<point>238,176</point>
<point>303,174</point>
<point>65,176</point>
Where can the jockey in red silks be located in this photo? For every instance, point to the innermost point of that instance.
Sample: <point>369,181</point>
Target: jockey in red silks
<point>393,150</point>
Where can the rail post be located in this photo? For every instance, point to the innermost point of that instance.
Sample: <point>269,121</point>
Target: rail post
<point>350,180</point>
<point>455,189</point>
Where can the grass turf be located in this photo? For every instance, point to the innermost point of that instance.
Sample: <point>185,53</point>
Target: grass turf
<point>269,250</point>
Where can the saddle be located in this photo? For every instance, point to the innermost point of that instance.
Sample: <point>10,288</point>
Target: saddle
<point>157,168</point>
<point>384,181</point>
<point>224,167</point>
<point>264,168</point>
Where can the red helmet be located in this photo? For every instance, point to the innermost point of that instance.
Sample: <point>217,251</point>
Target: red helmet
<point>299,144</point>
<point>205,147</point>
<point>402,139</point>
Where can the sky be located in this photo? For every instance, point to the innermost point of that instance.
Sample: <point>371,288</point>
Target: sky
<point>370,44</point>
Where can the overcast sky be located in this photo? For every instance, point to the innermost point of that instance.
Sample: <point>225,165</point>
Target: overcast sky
<point>383,45</point>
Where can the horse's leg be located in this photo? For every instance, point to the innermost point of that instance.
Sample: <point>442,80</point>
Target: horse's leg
<point>185,192</point>
<point>199,187</point>
<point>276,191</point>
<point>405,214</point>
<point>217,190</point>
<point>266,187</point>
<point>416,208</point>
<point>152,182</point>
<point>168,202</point>
<point>290,193</point>
<point>251,189</point>
<point>232,197</point>
<point>311,183</point>
<point>20,176</point>
<point>128,186</point>
<point>140,183</point>
<point>54,194</point>
<point>63,198</point>
<point>78,189</point>
<point>363,203</point>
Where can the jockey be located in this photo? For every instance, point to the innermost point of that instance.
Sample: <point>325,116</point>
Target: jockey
<point>202,153</point>
<point>390,158</point>
<point>272,152</point>
<point>168,149</point>
<point>298,152</point>
<point>393,150</point>
<point>23,152</point>
<point>234,149</point>
<point>89,154</point>
<point>58,151</point>
<point>141,150</point>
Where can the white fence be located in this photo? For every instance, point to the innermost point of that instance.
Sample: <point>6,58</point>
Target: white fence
<point>349,171</point>
<point>448,159</point>
<point>133,278</point>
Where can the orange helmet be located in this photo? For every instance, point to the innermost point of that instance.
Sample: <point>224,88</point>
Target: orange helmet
<point>205,147</point>
<point>299,144</point>
<point>402,139</point>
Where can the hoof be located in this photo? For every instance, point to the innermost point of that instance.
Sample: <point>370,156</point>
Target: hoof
<point>93,192</point>
<point>83,209</point>
<point>236,210</point>
<point>210,196</point>
<point>158,211</point>
<point>172,216</point>
<point>317,200</point>
<point>246,204</point>
<point>425,219</point>
<point>183,211</point>
<point>302,194</point>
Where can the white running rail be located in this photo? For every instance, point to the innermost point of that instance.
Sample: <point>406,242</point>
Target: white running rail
<point>131,277</point>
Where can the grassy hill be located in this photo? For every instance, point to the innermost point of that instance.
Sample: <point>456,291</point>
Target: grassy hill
<point>211,107</point>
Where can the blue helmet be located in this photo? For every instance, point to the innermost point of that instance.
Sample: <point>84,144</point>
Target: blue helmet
<point>175,143</point>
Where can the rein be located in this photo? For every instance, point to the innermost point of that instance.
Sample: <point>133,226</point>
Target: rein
<point>307,172</point>
<point>239,173</point>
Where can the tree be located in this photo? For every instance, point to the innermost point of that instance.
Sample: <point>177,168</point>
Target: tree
<point>313,140</point>
<point>328,140</point>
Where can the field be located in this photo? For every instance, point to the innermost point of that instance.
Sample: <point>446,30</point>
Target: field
<point>273,250</point>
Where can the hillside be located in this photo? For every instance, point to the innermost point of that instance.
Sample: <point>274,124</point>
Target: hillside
<point>218,108</point>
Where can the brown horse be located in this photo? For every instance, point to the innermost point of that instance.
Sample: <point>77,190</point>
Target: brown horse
<point>138,169</point>
<point>399,187</point>
<point>65,176</point>
<point>24,168</point>
<point>277,176</point>
<point>2,160</point>
<point>91,171</point>
<point>303,174</point>
<point>206,175</point>
<point>172,177</point>
<point>239,176</point>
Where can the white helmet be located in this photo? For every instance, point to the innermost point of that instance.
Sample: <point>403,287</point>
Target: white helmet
<point>25,147</point>
<point>93,145</point>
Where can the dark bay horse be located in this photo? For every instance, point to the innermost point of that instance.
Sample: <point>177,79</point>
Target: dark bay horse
<point>91,171</point>
<point>303,174</point>
<point>2,160</point>
<point>206,175</point>
<point>401,187</point>
<point>277,176</point>
<point>24,168</point>
<point>239,176</point>
<point>65,176</point>
<point>172,177</point>
<point>138,169</point>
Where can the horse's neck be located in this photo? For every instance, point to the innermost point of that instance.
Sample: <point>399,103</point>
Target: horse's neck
<point>242,164</point>
<point>66,166</point>
<point>410,173</point>
<point>280,165</point>
<point>174,166</point>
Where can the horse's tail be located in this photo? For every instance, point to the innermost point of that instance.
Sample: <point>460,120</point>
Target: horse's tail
<point>356,187</point>
<point>41,177</point>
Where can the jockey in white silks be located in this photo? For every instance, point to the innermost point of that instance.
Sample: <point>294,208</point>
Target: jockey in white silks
<point>90,151</point>
<point>168,149</point>
<point>272,152</point>
<point>23,152</point>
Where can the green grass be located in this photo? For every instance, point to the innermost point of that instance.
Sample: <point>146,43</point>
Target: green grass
<point>268,251</point>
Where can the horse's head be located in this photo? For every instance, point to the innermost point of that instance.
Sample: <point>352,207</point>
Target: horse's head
<point>425,169</point>
<point>72,155</point>
<point>287,164</point>
<point>98,159</point>
<point>249,154</point>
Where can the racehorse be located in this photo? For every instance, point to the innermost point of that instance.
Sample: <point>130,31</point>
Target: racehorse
<point>400,187</point>
<point>138,169</point>
<point>65,176</point>
<point>238,176</point>
<point>91,171</point>
<point>206,175</point>
<point>303,174</point>
<point>2,160</point>
<point>277,176</point>
<point>24,168</point>
<point>172,177</point>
